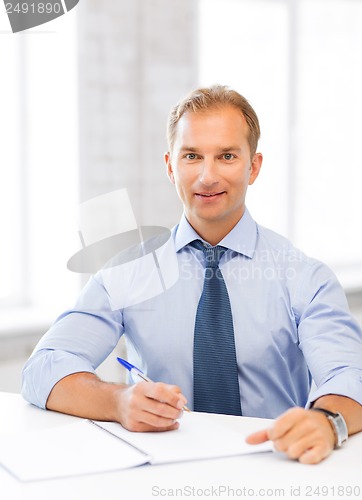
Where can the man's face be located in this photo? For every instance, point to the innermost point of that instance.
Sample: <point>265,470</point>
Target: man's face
<point>211,167</point>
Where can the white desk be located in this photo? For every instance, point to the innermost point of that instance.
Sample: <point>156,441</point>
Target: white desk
<point>266,474</point>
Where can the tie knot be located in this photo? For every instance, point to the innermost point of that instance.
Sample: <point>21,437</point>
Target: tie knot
<point>212,254</point>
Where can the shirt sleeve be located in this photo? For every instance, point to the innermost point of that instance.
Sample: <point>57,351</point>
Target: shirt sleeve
<point>79,341</point>
<point>329,337</point>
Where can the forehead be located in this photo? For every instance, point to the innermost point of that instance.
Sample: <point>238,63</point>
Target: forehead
<point>217,125</point>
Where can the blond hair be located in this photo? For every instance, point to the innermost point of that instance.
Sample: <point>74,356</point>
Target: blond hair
<point>215,96</point>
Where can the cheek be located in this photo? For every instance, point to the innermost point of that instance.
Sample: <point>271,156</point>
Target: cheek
<point>240,180</point>
<point>183,177</point>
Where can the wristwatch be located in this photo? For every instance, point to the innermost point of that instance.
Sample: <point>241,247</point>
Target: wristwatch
<point>338,424</point>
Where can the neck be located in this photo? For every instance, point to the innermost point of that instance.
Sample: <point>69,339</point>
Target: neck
<point>213,231</point>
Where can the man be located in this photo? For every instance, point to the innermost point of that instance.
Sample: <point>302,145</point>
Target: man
<point>290,319</point>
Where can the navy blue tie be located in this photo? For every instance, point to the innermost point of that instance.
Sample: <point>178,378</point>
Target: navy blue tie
<point>216,385</point>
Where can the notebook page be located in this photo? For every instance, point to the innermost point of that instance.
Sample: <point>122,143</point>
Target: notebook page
<point>199,436</point>
<point>69,450</point>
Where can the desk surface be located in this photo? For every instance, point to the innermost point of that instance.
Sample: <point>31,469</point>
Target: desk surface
<point>266,474</point>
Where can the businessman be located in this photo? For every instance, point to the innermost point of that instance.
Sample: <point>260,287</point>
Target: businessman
<point>246,328</point>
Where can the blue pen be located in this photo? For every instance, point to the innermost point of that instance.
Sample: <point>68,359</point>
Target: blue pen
<point>133,370</point>
<point>138,373</point>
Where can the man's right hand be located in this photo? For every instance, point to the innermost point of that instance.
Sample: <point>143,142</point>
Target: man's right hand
<point>150,406</point>
<point>146,406</point>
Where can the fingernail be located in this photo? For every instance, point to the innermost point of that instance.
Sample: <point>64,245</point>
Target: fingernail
<point>181,403</point>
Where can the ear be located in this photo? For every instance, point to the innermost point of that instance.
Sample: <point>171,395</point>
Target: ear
<point>169,167</point>
<point>255,167</point>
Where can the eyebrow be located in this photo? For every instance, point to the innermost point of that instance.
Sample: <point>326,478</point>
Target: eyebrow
<point>186,148</point>
<point>231,148</point>
<point>222,150</point>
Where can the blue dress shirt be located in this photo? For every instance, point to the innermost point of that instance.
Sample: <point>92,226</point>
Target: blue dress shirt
<point>291,321</point>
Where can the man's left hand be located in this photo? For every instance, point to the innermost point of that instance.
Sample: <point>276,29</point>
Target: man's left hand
<point>303,435</point>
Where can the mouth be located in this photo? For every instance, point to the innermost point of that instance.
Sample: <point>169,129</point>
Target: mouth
<point>209,196</point>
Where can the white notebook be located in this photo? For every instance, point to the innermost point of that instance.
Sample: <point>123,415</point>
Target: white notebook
<point>87,447</point>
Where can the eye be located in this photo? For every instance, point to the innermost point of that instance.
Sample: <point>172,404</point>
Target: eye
<point>228,156</point>
<point>191,156</point>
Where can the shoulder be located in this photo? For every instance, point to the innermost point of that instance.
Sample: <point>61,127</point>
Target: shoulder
<point>274,247</point>
<point>278,244</point>
<point>281,247</point>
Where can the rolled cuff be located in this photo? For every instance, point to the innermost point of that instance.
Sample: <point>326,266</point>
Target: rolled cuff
<point>45,369</point>
<point>347,383</point>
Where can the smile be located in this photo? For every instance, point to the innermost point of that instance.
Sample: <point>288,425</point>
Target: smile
<point>209,196</point>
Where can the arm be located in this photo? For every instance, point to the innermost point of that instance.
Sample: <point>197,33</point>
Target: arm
<point>331,342</point>
<point>60,374</point>
<point>140,407</point>
<point>307,435</point>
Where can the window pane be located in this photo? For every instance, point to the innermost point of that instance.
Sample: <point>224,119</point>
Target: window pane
<point>39,166</point>
<point>52,160</point>
<point>11,182</point>
<point>329,174</point>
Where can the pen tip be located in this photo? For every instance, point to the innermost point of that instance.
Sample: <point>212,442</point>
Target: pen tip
<point>125,363</point>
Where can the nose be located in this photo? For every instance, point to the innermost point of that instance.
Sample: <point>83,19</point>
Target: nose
<point>208,172</point>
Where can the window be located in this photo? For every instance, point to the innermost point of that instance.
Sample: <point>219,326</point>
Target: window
<point>298,63</point>
<point>38,167</point>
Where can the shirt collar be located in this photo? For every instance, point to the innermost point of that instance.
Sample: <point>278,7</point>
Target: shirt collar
<point>242,238</point>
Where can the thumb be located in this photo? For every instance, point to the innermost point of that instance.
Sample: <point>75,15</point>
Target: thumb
<point>258,437</point>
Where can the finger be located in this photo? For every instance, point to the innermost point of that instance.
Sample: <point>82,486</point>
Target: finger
<point>143,409</point>
<point>306,442</point>
<point>258,437</point>
<point>138,419</point>
<point>313,456</point>
<point>295,448</point>
<point>144,427</point>
<point>285,423</point>
<point>162,410</point>
<point>164,393</point>
<point>156,421</point>
<point>310,449</point>
<point>295,435</point>
<point>172,427</point>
